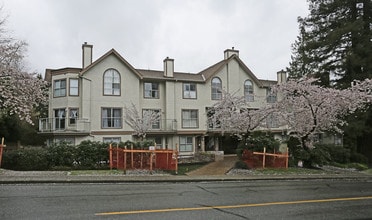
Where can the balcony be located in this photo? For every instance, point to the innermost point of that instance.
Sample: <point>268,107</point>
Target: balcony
<point>169,125</point>
<point>82,125</point>
<point>64,125</point>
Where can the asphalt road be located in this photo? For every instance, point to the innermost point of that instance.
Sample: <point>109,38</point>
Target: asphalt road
<point>313,199</point>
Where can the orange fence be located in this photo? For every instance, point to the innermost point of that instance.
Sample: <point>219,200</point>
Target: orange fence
<point>125,159</point>
<point>1,149</point>
<point>264,159</point>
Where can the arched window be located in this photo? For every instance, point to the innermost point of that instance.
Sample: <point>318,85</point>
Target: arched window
<point>111,82</point>
<point>248,91</point>
<point>216,88</point>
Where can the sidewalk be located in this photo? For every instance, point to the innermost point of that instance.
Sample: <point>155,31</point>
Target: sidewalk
<point>216,168</point>
<point>215,171</point>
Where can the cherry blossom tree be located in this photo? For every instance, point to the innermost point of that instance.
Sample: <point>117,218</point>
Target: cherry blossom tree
<point>308,109</point>
<point>141,123</point>
<point>20,91</point>
<point>233,114</point>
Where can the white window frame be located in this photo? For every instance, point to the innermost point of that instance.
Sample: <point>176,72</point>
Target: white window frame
<point>186,144</point>
<point>248,91</point>
<point>59,88</point>
<point>111,82</point>
<point>216,92</point>
<point>151,90</point>
<point>109,119</point>
<point>189,91</point>
<point>73,88</point>
<point>188,121</point>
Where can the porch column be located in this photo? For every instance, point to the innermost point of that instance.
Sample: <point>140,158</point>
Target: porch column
<point>202,143</point>
<point>216,144</point>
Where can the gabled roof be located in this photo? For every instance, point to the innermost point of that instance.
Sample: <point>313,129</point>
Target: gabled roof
<point>49,72</point>
<point>177,76</point>
<point>267,83</point>
<point>109,53</point>
<point>200,77</point>
<point>214,69</point>
<point>247,70</point>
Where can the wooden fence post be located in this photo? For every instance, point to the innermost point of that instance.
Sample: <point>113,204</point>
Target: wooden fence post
<point>286,159</point>
<point>176,158</point>
<point>131,156</point>
<point>117,156</point>
<point>1,149</point>
<point>110,149</point>
<point>125,159</point>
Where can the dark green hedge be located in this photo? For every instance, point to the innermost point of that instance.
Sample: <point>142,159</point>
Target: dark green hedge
<point>62,156</point>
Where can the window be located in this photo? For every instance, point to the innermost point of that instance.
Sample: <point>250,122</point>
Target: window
<point>73,115</point>
<point>74,87</point>
<point>60,118</point>
<point>186,144</point>
<point>270,96</point>
<point>216,89</point>
<point>272,121</point>
<point>248,91</point>
<point>190,118</point>
<point>68,140</point>
<point>157,140</point>
<point>189,91</point>
<point>59,88</point>
<point>111,117</point>
<point>151,90</point>
<point>338,139</point>
<point>111,82</point>
<point>146,115</point>
<point>111,140</point>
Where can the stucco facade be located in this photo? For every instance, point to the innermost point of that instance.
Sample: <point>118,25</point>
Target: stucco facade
<point>88,103</point>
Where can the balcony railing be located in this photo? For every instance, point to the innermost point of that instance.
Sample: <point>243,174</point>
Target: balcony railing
<point>83,125</point>
<point>165,125</point>
<point>64,125</point>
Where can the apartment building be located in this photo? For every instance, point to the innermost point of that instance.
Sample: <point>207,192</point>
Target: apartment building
<point>88,103</point>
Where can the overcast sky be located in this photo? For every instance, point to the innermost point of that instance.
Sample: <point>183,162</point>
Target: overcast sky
<point>194,32</point>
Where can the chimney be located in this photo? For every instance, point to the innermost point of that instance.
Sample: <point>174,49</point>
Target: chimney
<point>281,76</point>
<point>87,54</point>
<point>168,67</point>
<point>229,52</point>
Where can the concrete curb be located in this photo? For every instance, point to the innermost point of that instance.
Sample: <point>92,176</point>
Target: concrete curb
<point>171,178</point>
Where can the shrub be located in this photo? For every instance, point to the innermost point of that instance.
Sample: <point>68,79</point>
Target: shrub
<point>61,155</point>
<point>241,165</point>
<point>91,154</point>
<point>26,159</point>
<point>358,158</point>
<point>257,141</point>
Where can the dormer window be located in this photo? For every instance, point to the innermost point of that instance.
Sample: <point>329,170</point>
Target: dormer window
<point>111,82</point>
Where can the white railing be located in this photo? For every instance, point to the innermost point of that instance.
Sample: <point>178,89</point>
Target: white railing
<point>64,124</point>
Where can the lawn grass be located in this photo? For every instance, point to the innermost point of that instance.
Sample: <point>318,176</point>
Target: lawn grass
<point>97,172</point>
<point>290,170</point>
<point>369,171</point>
<point>182,170</point>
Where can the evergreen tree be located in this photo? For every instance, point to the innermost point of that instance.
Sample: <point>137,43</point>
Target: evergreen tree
<point>335,42</point>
